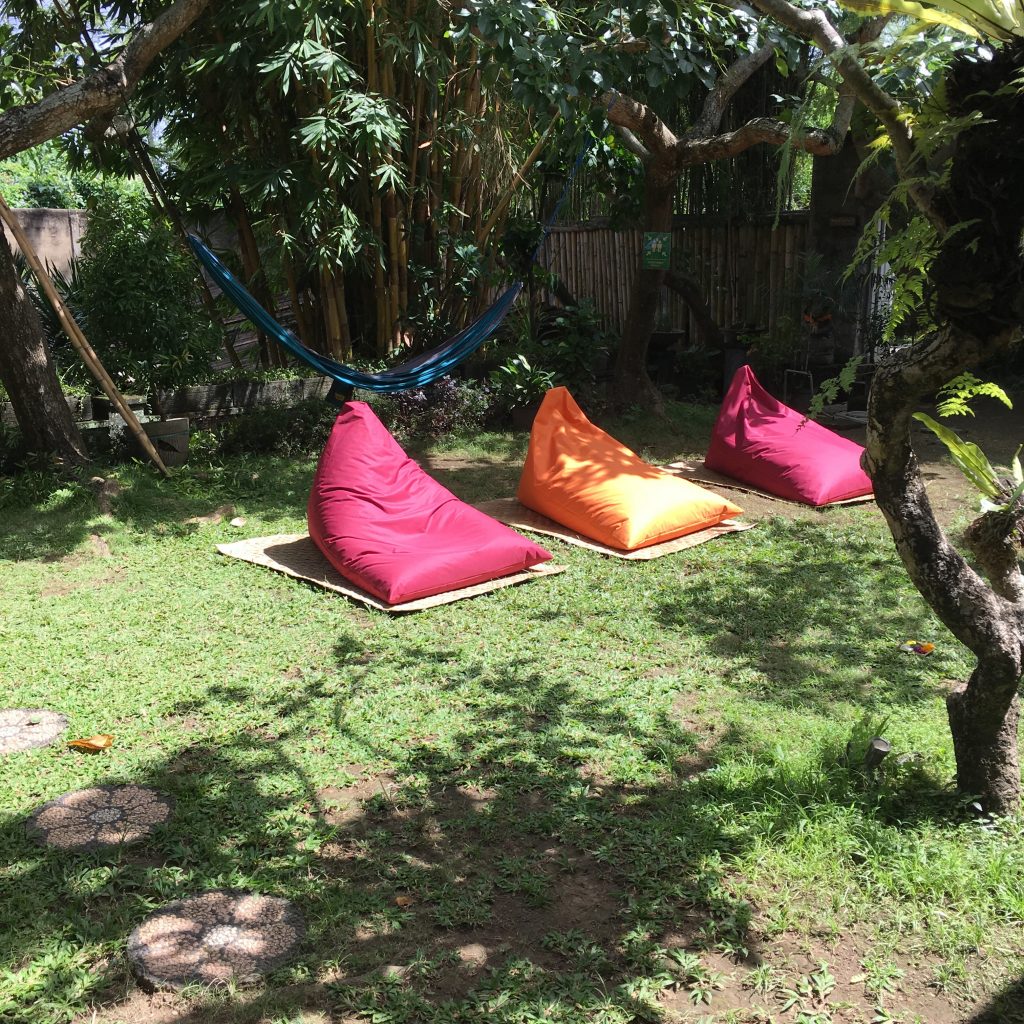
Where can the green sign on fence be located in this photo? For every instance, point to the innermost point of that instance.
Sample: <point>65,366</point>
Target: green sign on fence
<point>657,250</point>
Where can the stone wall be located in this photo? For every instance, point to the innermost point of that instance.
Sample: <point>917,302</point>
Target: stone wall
<point>55,234</point>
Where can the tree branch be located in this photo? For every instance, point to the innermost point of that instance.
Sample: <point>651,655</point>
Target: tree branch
<point>813,24</point>
<point>727,85</point>
<point>641,121</point>
<point>100,92</point>
<point>633,144</point>
<point>818,141</point>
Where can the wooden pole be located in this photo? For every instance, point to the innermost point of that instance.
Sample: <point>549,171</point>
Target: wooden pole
<point>78,339</point>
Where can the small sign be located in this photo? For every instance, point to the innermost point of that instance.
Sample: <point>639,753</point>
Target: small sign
<point>657,251</point>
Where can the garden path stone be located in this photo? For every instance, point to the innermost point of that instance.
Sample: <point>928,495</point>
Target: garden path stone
<point>98,817</point>
<point>215,938</point>
<point>25,728</point>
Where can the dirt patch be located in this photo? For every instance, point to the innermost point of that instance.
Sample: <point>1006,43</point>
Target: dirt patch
<point>815,977</point>
<point>64,587</point>
<point>472,896</point>
<point>218,515</point>
<point>706,727</point>
<point>581,901</point>
<point>345,805</point>
<point>308,1003</point>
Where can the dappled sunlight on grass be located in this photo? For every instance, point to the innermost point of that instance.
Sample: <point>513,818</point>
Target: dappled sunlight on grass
<point>518,805</point>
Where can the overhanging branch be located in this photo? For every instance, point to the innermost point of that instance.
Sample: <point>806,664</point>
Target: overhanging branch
<point>641,121</point>
<point>813,25</point>
<point>100,92</point>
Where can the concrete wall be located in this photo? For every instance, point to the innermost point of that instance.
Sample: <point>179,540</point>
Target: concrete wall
<point>54,234</point>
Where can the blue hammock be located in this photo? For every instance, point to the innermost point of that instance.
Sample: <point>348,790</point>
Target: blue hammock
<point>413,373</point>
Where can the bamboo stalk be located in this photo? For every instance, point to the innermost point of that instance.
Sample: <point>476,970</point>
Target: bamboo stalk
<point>376,218</point>
<point>78,339</point>
<point>341,305</point>
<point>330,315</point>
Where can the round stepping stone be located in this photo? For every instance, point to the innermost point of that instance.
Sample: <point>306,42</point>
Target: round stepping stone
<point>90,819</point>
<point>215,938</point>
<point>25,728</point>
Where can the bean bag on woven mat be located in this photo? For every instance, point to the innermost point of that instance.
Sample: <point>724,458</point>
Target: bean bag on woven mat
<point>759,441</point>
<point>391,529</point>
<point>581,477</point>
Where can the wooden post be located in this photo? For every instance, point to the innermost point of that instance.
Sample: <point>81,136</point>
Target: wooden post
<point>78,339</point>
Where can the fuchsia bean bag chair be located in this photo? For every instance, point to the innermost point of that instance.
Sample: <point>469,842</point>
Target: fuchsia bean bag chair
<point>761,442</point>
<point>391,529</point>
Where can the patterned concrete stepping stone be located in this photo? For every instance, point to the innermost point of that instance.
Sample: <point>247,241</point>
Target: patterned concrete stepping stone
<point>217,937</point>
<point>25,728</point>
<point>90,819</point>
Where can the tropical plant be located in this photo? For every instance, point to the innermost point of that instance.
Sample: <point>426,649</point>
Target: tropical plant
<point>998,493</point>
<point>517,383</point>
<point>999,19</point>
<point>135,289</point>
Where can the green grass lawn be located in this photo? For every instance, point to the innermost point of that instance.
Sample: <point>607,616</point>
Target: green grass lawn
<point>616,794</point>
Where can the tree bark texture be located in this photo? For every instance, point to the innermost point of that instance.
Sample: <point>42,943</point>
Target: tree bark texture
<point>28,374</point>
<point>983,718</point>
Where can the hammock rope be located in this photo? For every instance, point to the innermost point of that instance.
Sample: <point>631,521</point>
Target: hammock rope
<point>416,372</point>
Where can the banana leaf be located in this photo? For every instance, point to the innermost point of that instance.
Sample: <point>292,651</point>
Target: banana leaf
<point>1000,19</point>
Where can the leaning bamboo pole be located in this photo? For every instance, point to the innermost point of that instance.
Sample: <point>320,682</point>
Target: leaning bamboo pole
<point>78,339</point>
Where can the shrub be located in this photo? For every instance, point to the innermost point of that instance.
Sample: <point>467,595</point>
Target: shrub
<point>517,383</point>
<point>573,344</point>
<point>302,429</point>
<point>136,291</point>
<point>569,345</point>
<point>446,407</point>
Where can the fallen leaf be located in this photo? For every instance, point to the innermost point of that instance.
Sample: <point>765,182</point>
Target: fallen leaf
<point>93,744</point>
<point>238,521</point>
<point>404,901</point>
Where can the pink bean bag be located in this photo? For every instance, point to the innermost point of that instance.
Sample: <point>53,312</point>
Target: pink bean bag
<point>391,529</point>
<point>761,442</point>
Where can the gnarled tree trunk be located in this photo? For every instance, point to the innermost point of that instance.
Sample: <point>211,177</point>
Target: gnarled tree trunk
<point>984,616</point>
<point>28,374</point>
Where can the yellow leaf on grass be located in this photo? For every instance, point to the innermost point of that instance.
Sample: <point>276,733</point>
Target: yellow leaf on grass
<point>93,744</point>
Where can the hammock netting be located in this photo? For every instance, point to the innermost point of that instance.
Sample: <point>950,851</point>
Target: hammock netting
<point>413,373</point>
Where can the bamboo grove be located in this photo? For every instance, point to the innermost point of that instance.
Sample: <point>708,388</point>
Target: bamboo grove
<point>363,154</point>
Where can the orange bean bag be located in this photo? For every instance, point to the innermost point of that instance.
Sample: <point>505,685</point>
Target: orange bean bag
<point>584,479</point>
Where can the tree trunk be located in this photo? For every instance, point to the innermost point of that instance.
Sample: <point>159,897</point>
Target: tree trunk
<point>630,384</point>
<point>28,373</point>
<point>688,288</point>
<point>983,716</point>
<point>983,616</point>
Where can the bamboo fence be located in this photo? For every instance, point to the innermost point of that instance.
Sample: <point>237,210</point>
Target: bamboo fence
<point>749,271</point>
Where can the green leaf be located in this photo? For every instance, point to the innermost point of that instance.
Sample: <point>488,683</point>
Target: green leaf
<point>969,458</point>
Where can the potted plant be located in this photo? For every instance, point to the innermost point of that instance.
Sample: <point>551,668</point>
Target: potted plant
<point>519,388</point>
